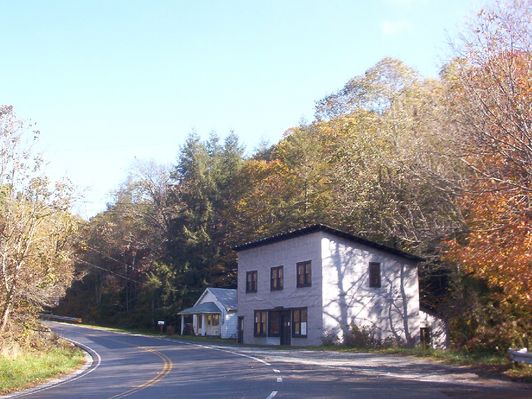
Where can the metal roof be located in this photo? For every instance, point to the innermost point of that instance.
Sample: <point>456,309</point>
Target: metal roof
<point>226,296</point>
<point>205,307</point>
<point>320,227</point>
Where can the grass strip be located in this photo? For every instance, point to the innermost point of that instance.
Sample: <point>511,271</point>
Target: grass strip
<point>32,368</point>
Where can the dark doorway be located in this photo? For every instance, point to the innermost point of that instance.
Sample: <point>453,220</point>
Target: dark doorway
<point>240,330</point>
<point>286,328</point>
<point>424,335</point>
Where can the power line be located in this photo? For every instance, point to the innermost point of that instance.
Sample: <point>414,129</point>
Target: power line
<point>107,270</point>
<point>116,260</point>
<point>118,274</point>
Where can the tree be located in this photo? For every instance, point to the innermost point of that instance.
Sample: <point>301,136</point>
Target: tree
<point>206,188</point>
<point>120,268</point>
<point>36,228</point>
<point>373,92</point>
<point>490,98</point>
<point>391,174</point>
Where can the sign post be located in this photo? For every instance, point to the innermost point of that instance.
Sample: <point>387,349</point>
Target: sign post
<point>160,323</point>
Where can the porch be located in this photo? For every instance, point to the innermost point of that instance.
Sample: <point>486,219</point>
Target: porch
<point>205,319</point>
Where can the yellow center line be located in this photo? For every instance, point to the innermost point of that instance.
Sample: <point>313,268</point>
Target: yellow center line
<point>167,367</point>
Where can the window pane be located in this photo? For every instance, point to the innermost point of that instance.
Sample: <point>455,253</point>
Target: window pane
<point>276,278</point>
<point>374,274</point>
<point>299,322</point>
<point>304,274</point>
<point>304,328</point>
<point>264,318</point>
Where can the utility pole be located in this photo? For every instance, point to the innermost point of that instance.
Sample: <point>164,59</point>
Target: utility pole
<point>127,287</point>
<point>127,266</point>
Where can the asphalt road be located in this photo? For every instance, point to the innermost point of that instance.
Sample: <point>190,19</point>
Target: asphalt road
<point>133,366</point>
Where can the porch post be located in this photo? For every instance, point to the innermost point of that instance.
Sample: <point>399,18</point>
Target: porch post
<point>203,322</point>
<point>182,323</point>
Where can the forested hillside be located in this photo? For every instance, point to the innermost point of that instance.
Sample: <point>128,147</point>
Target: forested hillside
<point>437,167</point>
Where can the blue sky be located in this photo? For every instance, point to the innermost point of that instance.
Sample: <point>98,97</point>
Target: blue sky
<point>111,81</point>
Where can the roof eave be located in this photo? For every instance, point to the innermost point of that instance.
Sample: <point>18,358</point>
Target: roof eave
<point>317,228</point>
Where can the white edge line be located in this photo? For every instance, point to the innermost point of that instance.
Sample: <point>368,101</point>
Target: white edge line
<point>272,395</point>
<point>238,354</point>
<point>87,369</point>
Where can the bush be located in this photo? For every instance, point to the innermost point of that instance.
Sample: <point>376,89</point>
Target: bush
<point>363,337</point>
<point>330,337</point>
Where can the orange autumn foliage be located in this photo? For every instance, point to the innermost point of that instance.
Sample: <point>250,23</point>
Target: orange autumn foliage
<point>498,245</point>
<point>491,101</point>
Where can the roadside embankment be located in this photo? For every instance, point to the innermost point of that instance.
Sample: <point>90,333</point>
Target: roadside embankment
<point>22,368</point>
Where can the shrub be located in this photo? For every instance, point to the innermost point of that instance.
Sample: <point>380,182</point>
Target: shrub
<point>363,337</point>
<point>330,337</point>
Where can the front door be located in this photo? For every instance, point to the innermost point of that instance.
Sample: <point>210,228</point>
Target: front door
<point>286,328</point>
<point>240,329</point>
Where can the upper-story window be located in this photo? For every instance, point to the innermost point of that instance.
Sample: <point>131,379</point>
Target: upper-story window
<point>304,274</point>
<point>374,274</point>
<point>251,281</point>
<point>276,282</point>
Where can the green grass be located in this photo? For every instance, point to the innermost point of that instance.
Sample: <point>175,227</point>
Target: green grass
<point>32,368</point>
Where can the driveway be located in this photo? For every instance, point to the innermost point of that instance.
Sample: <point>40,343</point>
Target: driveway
<point>136,366</point>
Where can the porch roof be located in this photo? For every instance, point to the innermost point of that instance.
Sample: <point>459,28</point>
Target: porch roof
<point>205,307</point>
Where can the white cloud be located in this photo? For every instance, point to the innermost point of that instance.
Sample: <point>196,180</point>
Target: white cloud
<point>395,27</point>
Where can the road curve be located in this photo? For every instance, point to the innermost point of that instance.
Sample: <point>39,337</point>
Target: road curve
<point>134,366</point>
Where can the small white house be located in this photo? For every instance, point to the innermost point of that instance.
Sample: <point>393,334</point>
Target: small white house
<point>213,314</point>
<point>305,286</point>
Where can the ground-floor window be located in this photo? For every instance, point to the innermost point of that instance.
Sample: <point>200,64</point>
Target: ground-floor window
<point>268,322</point>
<point>260,323</point>
<point>299,322</point>
<point>213,319</point>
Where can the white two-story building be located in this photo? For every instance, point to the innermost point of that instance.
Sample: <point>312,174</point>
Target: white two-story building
<point>299,287</point>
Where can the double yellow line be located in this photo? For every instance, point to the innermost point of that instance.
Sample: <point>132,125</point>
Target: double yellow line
<point>167,367</point>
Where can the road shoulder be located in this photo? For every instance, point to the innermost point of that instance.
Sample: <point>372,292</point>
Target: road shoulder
<point>91,362</point>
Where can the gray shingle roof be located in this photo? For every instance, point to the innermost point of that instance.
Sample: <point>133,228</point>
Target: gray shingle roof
<point>226,296</point>
<point>205,307</point>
